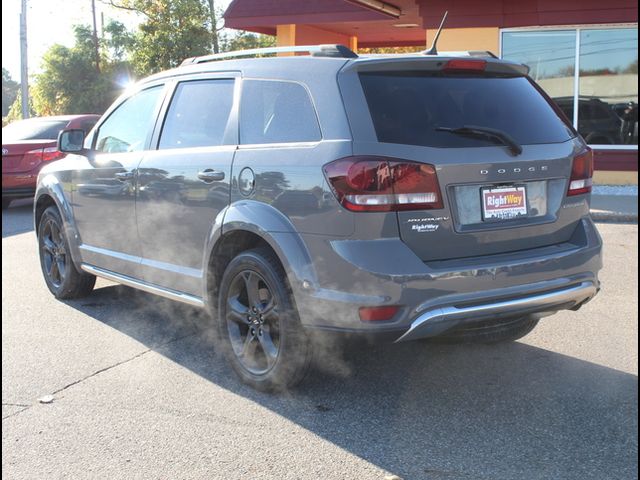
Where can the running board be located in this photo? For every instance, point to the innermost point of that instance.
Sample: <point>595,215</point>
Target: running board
<point>145,287</point>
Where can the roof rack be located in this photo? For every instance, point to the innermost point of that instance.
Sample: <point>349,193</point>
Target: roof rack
<point>333,51</point>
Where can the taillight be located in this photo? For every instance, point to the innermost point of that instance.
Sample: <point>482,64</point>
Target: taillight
<point>34,157</point>
<point>380,184</point>
<point>581,174</point>
<point>462,65</point>
<point>51,153</point>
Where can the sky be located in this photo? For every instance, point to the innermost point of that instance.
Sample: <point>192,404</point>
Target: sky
<point>50,22</point>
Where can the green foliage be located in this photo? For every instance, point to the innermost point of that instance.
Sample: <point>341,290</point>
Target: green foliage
<point>10,90</point>
<point>70,81</point>
<point>172,31</point>
<point>118,40</point>
<point>15,112</point>
<point>245,41</point>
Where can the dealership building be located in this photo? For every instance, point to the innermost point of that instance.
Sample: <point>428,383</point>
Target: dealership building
<point>583,53</point>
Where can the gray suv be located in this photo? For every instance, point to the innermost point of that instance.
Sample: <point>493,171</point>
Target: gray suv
<point>395,197</point>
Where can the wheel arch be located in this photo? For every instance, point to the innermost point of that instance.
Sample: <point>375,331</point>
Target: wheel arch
<point>50,192</point>
<point>249,224</point>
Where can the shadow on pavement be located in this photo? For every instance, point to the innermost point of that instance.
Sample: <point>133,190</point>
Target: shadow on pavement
<point>424,410</point>
<point>18,218</point>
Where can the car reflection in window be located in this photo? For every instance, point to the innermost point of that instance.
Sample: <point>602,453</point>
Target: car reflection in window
<point>113,145</point>
<point>628,112</point>
<point>598,121</point>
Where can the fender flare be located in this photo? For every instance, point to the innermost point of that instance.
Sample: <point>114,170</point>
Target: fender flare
<point>274,228</point>
<point>50,185</point>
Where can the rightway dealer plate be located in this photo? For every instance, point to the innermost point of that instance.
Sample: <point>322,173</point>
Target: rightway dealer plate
<point>503,203</point>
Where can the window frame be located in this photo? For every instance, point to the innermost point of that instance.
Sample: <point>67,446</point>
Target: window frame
<point>307,143</point>
<point>578,29</point>
<point>121,101</point>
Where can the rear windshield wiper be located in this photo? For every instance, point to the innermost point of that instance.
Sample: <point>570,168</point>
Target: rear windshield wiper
<point>485,132</point>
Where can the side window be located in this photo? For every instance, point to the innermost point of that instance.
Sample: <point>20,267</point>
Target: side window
<point>127,127</point>
<point>198,114</point>
<point>276,112</point>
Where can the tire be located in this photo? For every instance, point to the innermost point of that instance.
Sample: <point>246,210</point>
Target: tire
<point>60,274</point>
<point>494,331</point>
<point>5,203</point>
<point>258,324</point>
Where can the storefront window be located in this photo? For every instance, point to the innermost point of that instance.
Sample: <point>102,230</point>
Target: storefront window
<point>608,109</point>
<point>607,99</point>
<point>552,59</point>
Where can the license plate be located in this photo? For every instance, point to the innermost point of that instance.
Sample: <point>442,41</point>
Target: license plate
<point>504,203</point>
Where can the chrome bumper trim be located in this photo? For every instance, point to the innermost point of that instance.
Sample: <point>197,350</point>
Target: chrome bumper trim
<point>439,319</point>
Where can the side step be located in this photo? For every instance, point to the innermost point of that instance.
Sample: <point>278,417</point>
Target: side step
<point>144,286</point>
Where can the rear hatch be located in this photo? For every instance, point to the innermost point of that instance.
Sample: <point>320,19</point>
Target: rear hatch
<point>501,150</point>
<point>27,143</point>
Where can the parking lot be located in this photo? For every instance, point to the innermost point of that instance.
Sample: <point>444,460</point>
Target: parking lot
<point>139,391</point>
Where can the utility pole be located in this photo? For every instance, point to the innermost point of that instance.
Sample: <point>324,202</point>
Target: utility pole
<point>214,22</point>
<point>95,35</point>
<point>24,70</point>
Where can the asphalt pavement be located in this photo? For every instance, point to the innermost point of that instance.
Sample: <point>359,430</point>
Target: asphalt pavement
<point>137,390</point>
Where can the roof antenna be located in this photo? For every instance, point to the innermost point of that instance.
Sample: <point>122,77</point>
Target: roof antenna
<point>433,50</point>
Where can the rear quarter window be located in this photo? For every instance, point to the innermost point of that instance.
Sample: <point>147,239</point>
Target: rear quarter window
<point>276,112</point>
<point>407,108</point>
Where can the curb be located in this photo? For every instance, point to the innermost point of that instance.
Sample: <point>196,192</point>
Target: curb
<point>605,216</point>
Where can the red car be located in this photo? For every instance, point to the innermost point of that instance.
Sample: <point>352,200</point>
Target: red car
<point>27,145</point>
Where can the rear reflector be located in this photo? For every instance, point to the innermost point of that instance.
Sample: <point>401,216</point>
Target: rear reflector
<point>462,64</point>
<point>377,314</point>
<point>380,184</point>
<point>581,174</point>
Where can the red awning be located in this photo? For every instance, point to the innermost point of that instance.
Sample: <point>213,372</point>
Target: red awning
<point>347,17</point>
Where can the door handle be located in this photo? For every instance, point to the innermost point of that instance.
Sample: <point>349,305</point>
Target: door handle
<point>124,176</point>
<point>209,175</point>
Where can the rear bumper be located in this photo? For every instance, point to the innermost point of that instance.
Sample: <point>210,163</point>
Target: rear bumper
<point>441,319</point>
<point>18,192</point>
<point>19,185</point>
<point>439,296</point>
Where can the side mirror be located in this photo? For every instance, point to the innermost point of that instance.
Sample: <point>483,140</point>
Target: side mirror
<point>71,141</point>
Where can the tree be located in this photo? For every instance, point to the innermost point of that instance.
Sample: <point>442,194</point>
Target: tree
<point>172,31</point>
<point>118,40</point>
<point>214,15</point>
<point>245,41</point>
<point>15,112</point>
<point>10,90</point>
<point>69,82</point>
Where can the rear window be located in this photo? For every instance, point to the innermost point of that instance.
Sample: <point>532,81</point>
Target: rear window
<point>33,130</point>
<point>276,112</point>
<point>407,107</point>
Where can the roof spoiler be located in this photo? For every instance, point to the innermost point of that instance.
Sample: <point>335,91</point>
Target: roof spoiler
<point>329,51</point>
